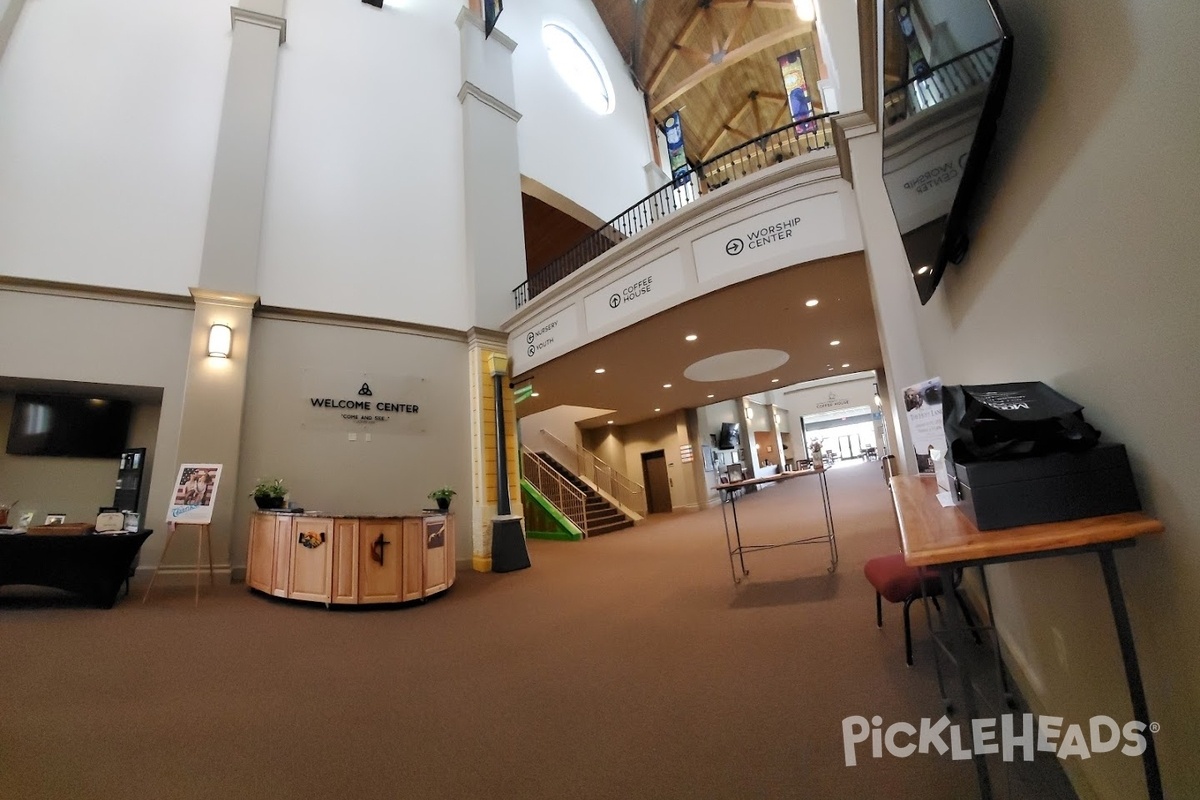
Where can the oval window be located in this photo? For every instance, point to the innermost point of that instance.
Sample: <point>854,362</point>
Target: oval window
<point>577,64</point>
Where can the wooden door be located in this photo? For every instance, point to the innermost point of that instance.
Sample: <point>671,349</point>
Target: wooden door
<point>379,558</point>
<point>345,561</point>
<point>312,560</point>
<point>260,557</point>
<point>283,554</point>
<point>658,482</point>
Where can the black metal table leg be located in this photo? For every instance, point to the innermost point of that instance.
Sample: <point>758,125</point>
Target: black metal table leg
<point>1133,675</point>
<point>957,640</point>
<point>737,532</point>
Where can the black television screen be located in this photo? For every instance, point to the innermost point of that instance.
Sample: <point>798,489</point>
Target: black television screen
<point>730,436</point>
<point>65,425</point>
<point>945,72</point>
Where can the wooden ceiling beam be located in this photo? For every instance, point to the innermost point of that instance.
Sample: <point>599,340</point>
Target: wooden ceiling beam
<point>695,54</point>
<point>732,57</point>
<point>660,71</point>
<point>739,26</point>
<point>726,127</point>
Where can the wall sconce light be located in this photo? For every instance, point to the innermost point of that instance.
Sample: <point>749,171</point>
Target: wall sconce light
<point>220,340</point>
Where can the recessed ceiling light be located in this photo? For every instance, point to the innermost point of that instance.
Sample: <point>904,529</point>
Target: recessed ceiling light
<point>845,365</point>
<point>536,394</point>
<point>610,422</point>
<point>811,303</point>
<point>599,370</point>
<point>691,337</point>
<point>834,343</point>
<point>666,386</point>
<point>922,270</point>
<point>774,380</point>
<point>711,396</point>
<point>658,409</point>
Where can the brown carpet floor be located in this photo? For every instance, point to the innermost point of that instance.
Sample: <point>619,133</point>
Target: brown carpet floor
<point>625,666</point>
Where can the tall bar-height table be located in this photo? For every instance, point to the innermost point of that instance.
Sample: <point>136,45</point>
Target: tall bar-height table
<point>829,537</point>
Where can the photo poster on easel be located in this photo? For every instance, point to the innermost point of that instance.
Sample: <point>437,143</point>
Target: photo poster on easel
<point>194,494</point>
<point>923,406</point>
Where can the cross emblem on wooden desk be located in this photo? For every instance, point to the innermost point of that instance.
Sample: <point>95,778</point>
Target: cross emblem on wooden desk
<point>377,549</point>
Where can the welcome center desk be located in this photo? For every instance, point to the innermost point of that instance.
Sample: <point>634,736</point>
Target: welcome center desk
<point>731,489</point>
<point>935,536</point>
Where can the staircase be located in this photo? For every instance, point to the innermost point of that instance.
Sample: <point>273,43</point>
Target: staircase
<point>602,516</point>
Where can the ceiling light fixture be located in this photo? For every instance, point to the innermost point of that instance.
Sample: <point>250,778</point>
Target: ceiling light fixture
<point>691,337</point>
<point>834,343</point>
<point>774,380</point>
<point>535,394</point>
<point>805,10</point>
<point>666,386</point>
<point>600,370</point>
<point>922,270</point>
<point>610,422</point>
<point>844,366</point>
<point>811,303</point>
<point>658,409</point>
<point>711,396</point>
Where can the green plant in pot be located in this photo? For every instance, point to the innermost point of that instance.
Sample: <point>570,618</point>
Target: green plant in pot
<point>269,493</point>
<point>442,496</point>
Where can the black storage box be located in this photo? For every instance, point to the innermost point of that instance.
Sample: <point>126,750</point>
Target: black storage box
<point>1049,488</point>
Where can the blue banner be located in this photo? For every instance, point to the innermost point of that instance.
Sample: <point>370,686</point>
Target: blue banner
<point>799,103</point>
<point>680,170</point>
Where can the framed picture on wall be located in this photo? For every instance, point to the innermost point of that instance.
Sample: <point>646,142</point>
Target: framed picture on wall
<point>706,454</point>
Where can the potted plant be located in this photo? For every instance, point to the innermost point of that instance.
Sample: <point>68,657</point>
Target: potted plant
<point>442,496</point>
<point>269,493</point>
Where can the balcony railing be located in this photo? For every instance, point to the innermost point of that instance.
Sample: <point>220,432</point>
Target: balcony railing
<point>949,79</point>
<point>773,147</point>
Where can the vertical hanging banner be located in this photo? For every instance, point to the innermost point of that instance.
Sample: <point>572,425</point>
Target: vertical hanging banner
<point>799,103</point>
<point>491,13</point>
<point>680,169</point>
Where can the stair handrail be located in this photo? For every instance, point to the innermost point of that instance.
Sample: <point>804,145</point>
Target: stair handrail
<point>569,499</point>
<point>626,491</point>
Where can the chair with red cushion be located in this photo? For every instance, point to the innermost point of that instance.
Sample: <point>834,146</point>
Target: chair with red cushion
<point>897,582</point>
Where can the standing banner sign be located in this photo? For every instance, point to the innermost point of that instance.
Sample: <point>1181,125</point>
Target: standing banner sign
<point>675,153</point>
<point>194,494</point>
<point>923,404</point>
<point>799,103</point>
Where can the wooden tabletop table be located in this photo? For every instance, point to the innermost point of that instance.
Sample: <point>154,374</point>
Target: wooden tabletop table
<point>934,535</point>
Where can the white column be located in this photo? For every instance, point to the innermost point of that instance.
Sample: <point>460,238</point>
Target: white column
<point>494,233</point>
<point>837,36</point>
<point>227,288</point>
<point>892,290</point>
<point>235,210</point>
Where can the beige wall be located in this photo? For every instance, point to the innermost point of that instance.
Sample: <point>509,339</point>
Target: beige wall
<point>661,433</point>
<point>96,341</point>
<point>1083,274</point>
<point>392,473</point>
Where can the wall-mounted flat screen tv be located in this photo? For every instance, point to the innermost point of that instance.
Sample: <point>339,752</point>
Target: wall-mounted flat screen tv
<point>730,437</point>
<point>945,70</point>
<point>66,425</point>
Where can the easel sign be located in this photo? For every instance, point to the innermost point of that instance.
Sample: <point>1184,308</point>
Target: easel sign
<point>195,494</point>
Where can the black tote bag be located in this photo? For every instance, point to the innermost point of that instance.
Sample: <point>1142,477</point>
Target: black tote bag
<point>1012,420</point>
